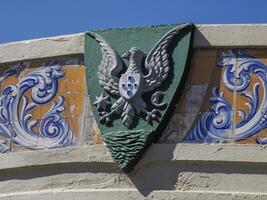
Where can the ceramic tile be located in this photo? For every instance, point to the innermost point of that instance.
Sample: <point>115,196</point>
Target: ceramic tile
<point>75,78</point>
<point>29,135</point>
<point>178,127</point>
<point>204,70</point>
<point>260,137</point>
<point>196,98</point>
<point>210,127</point>
<point>88,107</point>
<point>5,144</point>
<point>10,80</point>
<point>62,85</point>
<point>260,52</point>
<point>202,99</point>
<point>180,105</point>
<point>75,124</point>
<point>201,52</point>
<point>75,104</point>
<point>91,131</point>
<point>61,133</point>
<point>23,140</point>
<point>36,111</point>
<point>95,132</point>
<point>252,127</point>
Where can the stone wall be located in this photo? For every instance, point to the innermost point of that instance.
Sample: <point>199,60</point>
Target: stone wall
<point>184,164</point>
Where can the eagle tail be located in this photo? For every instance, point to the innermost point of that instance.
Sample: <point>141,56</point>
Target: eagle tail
<point>128,115</point>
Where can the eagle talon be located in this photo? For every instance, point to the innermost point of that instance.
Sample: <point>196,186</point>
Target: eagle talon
<point>107,122</point>
<point>153,115</point>
<point>102,113</point>
<point>105,119</point>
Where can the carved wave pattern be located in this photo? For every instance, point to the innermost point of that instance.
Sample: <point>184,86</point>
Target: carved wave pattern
<point>125,146</point>
<point>218,125</point>
<point>16,119</point>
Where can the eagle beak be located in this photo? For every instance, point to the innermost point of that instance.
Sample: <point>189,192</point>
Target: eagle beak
<point>126,55</point>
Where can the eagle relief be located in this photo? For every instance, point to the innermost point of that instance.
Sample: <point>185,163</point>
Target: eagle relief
<point>137,87</point>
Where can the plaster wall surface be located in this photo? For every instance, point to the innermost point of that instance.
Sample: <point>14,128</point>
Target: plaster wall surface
<point>166,171</point>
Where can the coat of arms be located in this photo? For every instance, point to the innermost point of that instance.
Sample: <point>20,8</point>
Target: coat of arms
<point>133,77</point>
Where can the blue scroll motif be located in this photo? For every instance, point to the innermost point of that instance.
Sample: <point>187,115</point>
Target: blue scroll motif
<point>15,117</point>
<point>217,125</point>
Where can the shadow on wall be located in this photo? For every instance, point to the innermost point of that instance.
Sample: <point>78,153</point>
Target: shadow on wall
<point>201,39</point>
<point>204,75</point>
<point>152,176</point>
<point>148,176</point>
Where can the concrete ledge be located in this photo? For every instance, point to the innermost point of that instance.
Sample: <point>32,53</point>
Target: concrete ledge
<point>42,48</point>
<point>121,193</point>
<point>156,153</point>
<point>206,36</point>
<point>232,35</point>
<point>81,154</point>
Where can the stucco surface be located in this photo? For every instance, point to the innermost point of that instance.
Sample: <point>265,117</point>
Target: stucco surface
<point>206,36</point>
<point>42,48</point>
<point>165,172</point>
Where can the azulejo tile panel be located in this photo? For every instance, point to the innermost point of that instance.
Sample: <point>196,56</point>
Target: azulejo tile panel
<point>42,104</point>
<point>225,99</point>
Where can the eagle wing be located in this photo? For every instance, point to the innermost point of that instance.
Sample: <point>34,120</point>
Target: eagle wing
<point>157,61</point>
<point>110,66</point>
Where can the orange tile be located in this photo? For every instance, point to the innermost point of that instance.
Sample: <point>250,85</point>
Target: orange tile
<point>11,80</point>
<point>96,134</point>
<point>204,70</point>
<point>7,145</point>
<point>75,125</point>
<point>74,73</point>
<point>181,102</point>
<point>241,100</point>
<point>205,103</point>
<point>202,52</point>
<point>75,78</point>
<point>256,52</point>
<point>74,104</point>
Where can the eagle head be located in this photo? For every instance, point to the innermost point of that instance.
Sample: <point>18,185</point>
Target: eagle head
<point>133,53</point>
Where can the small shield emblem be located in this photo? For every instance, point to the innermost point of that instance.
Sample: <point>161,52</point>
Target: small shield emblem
<point>129,85</point>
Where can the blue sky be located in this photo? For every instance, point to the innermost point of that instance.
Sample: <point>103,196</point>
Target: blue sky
<point>26,19</point>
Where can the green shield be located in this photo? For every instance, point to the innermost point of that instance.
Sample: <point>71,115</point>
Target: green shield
<point>127,144</point>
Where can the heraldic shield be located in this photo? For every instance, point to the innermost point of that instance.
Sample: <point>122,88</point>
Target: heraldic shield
<point>134,79</point>
<point>129,85</point>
